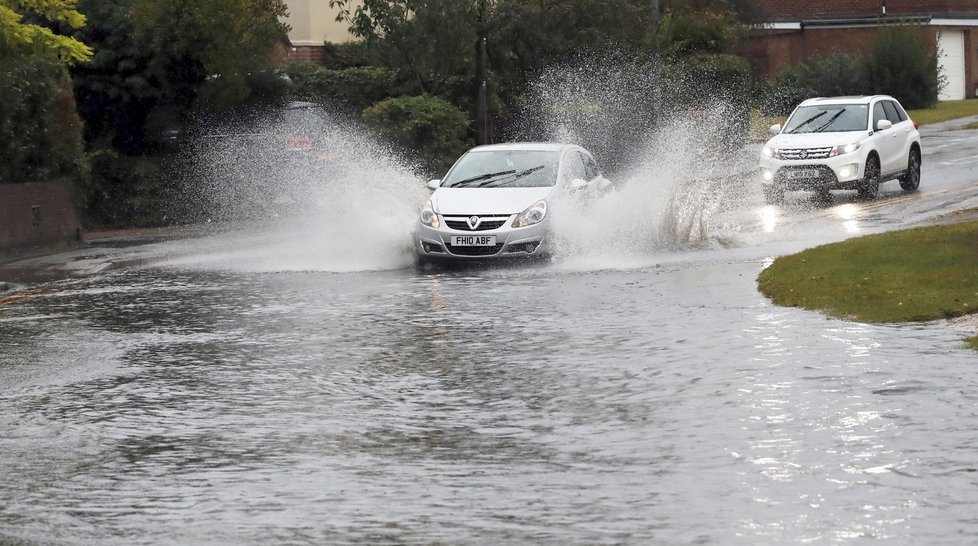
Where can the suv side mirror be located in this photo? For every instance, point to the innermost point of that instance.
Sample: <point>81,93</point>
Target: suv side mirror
<point>433,185</point>
<point>775,129</point>
<point>883,124</point>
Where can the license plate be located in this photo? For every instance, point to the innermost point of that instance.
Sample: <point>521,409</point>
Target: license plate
<point>806,173</point>
<point>473,240</point>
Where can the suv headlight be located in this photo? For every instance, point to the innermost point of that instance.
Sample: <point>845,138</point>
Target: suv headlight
<point>428,216</point>
<point>533,215</point>
<point>844,149</point>
<point>771,152</point>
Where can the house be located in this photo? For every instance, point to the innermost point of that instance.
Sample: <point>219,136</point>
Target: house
<point>313,23</point>
<point>797,30</point>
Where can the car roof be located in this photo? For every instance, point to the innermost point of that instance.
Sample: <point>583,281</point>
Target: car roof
<point>859,99</point>
<point>526,146</point>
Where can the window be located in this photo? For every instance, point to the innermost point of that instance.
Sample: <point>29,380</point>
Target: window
<point>878,114</point>
<point>590,167</point>
<point>891,111</point>
<point>574,167</point>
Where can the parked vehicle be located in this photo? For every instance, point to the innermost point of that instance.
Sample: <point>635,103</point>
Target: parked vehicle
<point>496,201</point>
<point>842,143</point>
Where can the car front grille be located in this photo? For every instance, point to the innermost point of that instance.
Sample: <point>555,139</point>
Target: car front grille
<point>475,250</point>
<point>802,154</point>
<point>487,223</point>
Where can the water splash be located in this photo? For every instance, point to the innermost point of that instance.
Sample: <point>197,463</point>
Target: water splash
<point>675,179</point>
<point>301,191</point>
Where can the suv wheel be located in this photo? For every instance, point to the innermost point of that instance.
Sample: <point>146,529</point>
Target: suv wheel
<point>773,195</point>
<point>870,186</point>
<point>911,181</point>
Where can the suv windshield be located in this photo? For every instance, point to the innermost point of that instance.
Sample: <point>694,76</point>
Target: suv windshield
<point>503,169</point>
<point>828,118</point>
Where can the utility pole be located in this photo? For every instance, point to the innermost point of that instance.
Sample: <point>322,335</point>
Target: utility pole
<point>481,75</point>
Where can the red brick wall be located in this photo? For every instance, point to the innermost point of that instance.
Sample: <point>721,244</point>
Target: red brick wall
<point>771,51</point>
<point>794,10</point>
<point>307,54</point>
<point>37,213</point>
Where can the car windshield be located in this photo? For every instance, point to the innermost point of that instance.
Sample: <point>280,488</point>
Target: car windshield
<point>503,169</point>
<point>828,118</point>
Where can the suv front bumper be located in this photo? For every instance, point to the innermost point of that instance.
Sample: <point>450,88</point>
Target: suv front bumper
<point>843,172</point>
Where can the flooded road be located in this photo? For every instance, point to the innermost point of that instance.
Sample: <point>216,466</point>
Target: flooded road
<point>208,396</point>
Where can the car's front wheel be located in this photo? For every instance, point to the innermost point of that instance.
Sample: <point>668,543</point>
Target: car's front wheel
<point>911,181</point>
<point>870,186</point>
<point>773,195</point>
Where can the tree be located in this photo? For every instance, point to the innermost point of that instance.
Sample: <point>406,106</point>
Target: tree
<point>15,34</point>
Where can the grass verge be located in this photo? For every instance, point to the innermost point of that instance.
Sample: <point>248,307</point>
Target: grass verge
<point>945,110</point>
<point>902,276</point>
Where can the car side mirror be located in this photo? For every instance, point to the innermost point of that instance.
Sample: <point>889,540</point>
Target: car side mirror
<point>578,184</point>
<point>775,129</point>
<point>883,124</point>
<point>433,184</point>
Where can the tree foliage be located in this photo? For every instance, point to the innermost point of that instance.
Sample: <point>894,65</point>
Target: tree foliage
<point>899,63</point>
<point>18,34</point>
<point>435,129</point>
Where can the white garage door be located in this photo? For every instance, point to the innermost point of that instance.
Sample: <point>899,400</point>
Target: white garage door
<point>950,43</point>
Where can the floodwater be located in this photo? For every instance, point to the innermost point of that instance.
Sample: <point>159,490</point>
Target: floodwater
<point>668,404</point>
<point>298,382</point>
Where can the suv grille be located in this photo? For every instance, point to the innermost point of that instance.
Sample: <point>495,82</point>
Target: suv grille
<point>802,154</point>
<point>487,223</point>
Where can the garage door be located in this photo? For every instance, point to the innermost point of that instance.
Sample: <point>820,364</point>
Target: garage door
<point>950,43</point>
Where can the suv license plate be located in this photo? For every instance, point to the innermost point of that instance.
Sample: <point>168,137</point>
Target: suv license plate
<point>473,240</point>
<point>805,173</point>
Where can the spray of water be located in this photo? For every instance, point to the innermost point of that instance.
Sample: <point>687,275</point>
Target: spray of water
<point>299,190</point>
<point>674,176</point>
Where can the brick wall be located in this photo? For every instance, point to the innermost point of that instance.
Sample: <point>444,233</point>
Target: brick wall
<point>793,10</point>
<point>37,213</point>
<point>306,54</point>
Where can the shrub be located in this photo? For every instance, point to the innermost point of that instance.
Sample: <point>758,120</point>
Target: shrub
<point>40,131</point>
<point>713,81</point>
<point>353,88</point>
<point>837,74</point>
<point>430,127</point>
<point>897,62</point>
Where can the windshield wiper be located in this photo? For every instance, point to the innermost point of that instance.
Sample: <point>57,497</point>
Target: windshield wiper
<point>807,121</point>
<point>830,121</point>
<point>481,177</point>
<point>515,174</point>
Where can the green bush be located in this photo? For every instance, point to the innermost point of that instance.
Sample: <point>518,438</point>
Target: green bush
<point>429,128</point>
<point>899,63</point>
<point>896,62</point>
<point>40,131</point>
<point>353,89</point>
<point>835,75</point>
<point>709,82</point>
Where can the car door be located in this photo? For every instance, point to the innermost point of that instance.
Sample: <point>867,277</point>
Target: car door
<point>903,128</point>
<point>887,140</point>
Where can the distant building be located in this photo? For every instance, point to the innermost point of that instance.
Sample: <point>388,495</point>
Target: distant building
<point>313,24</point>
<point>797,30</point>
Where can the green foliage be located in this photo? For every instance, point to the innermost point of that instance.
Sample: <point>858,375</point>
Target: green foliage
<point>687,30</point>
<point>17,35</point>
<point>429,128</point>
<point>835,75</point>
<point>354,88</point>
<point>126,190</point>
<point>40,132</point>
<point>428,42</point>
<point>897,62</point>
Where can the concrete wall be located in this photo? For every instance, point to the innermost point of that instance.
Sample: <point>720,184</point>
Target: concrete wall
<point>37,214</point>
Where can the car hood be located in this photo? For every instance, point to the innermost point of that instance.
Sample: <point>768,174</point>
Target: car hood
<point>815,140</point>
<point>483,201</point>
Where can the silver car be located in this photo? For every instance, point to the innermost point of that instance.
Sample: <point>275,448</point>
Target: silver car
<point>497,200</point>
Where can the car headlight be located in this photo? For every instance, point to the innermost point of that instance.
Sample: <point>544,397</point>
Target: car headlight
<point>771,152</point>
<point>533,215</point>
<point>844,149</point>
<point>428,216</point>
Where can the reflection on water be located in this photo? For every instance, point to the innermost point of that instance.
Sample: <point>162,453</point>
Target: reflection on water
<point>515,406</point>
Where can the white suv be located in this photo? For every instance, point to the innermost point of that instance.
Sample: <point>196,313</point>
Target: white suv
<point>839,143</point>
